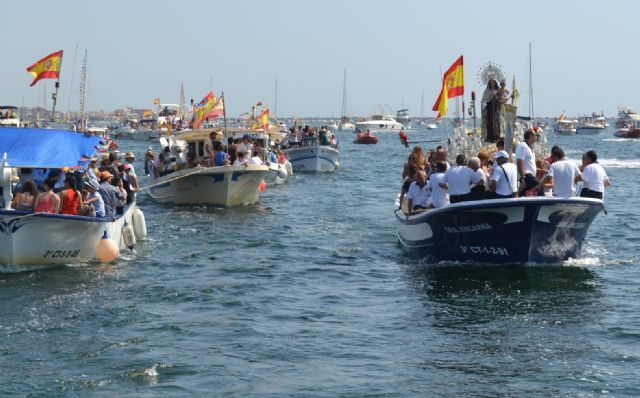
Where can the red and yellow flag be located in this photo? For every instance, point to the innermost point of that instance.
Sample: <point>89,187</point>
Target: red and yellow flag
<point>452,86</point>
<point>47,68</point>
<point>217,110</point>
<point>262,121</point>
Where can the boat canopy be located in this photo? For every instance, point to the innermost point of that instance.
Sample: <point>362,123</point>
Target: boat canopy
<point>44,148</point>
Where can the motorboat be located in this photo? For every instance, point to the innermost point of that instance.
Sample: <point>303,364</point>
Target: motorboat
<point>313,156</point>
<point>565,127</point>
<point>591,125</point>
<point>403,117</point>
<point>226,185</point>
<point>380,123</point>
<point>9,116</point>
<point>280,169</point>
<point>346,126</point>
<point>626,113</point>
<point>517,230</point>
<point>626,129</point>
<point>35,239</point>
<point>366,138</point>
<point>431,126</point>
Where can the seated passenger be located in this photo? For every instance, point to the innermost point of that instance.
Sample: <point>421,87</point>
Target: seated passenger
<point>47,201</point>
<point>70,198</point>
<point>255,159</point>
<point>240,160</point>
<point>25,199</point>
<point>418,195</point>
<point>504,181</point>
<point>220,157</point>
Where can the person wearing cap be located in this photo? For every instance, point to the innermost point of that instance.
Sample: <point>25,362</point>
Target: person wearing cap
<point>129,158</point>
<point>94,199</point>
<point>564,174</point>
<point>504,181</point>
<point>150,165</point>
<point>92,170</point>
<point>110,194</point>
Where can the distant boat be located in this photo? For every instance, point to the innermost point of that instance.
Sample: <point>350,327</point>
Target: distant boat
<point>380,123</point>
<point>344,124</point>
<point>431,126</point>
<point>403,117</point>
<point>366,138</point>
<point>565,127</point>
<point>9,116</point>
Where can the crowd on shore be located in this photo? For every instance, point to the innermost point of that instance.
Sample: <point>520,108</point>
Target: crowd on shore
<point>98,190</point>
<point>431,181</point>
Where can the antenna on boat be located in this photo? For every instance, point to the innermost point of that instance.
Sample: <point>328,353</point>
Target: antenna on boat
<point>531,115</point>
<point>54,96</point>
<point>275,103</point>
<point>73,75</point>
<point>83,86</point>
<point>343,111</point>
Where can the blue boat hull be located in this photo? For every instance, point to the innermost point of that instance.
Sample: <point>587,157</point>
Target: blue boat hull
<point>540,230</point>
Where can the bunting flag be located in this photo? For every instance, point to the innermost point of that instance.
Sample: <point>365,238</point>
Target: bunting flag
<point>217,110</point>
<point>156,101</point>
<point>47,68</point>
<point>147,113</point>
<point>452,86</point>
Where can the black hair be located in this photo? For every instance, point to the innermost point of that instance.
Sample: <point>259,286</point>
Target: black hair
<point>591,155</point>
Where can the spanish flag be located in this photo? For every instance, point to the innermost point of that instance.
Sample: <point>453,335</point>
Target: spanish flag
<point>262,121</point>
<point>452,86</point>
<point>217,110</point>
<point>47,68</point>
<point>203,110</point>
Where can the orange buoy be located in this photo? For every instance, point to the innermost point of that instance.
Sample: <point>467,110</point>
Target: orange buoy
<point>107,249</point>
<point>263,185</point>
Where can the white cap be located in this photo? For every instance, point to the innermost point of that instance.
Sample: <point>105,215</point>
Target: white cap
<point>502,154</point>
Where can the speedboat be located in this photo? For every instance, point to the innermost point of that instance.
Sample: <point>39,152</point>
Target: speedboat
<point>346,126</point>
<point>380,123</point>
<point>34,239</point>
<point>530,229</point>
<point>218,185</point>
<point>591,125</point>
<point>403,117</point>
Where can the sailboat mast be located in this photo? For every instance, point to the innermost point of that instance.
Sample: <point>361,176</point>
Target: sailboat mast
<point>83,86</point>
<point>73,75</point>
<point>275,103</point>
<point>531,114</point>
<point>422,104</point>
<point>343,111</point>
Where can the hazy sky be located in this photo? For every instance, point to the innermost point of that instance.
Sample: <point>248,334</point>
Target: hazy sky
<point>584,52</point>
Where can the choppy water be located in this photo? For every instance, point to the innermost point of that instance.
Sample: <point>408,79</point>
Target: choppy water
<point>308,294</point>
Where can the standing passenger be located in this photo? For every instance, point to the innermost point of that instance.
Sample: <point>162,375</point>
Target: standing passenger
<point>564,174</point>
<point>504,181</point>
<point>595,178</point>
<point>458,179</point>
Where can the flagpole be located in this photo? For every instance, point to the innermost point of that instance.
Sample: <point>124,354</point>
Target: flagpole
<point>224,113</point>
<point>54,96</point>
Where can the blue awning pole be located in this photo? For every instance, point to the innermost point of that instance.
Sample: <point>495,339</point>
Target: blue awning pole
<point>6,174</point>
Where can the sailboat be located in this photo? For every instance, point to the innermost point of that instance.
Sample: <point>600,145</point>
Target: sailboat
<point>344,124</point>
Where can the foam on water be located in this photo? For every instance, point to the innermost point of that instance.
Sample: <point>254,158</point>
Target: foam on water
<point>620,163</point>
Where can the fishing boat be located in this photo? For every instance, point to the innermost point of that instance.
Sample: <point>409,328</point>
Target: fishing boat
<point>34,239</point>
<point>218,185</point>
<point>312,156</point>
<point>280,169</point>
<point>518,230</point>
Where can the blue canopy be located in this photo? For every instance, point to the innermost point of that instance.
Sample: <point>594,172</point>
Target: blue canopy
<point>46,148</point>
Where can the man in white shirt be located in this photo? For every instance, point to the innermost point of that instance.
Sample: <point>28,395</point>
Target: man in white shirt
<point>439,195</point>
<point>594,177</point>
<point>526,160</point>
<point>246,146</point>
<point>458,179</point>
<point>418,195</point>
<point>504,181</point>
<point>477,190</point>
<point>564,174</point>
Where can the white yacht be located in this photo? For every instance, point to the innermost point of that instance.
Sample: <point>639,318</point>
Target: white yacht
<point>565,127</point>
<point>9,116</point>
<point>380,124</point>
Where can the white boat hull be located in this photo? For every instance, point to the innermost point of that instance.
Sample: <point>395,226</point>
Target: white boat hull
<point>278,173</point>
<point>563,131</point>
<point>35,239</point>
<point>313,158</point>
<point>218,186</point>
<point>346,127</point>
<point>379,126</point>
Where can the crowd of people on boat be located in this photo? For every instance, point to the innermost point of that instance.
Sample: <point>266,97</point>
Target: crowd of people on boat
<point>431,181</point>
<point>101,189</point>
<point>310,136</point>
<point>236,152</point>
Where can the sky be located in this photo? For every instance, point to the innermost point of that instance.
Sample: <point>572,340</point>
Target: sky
<point>584,53</point>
